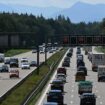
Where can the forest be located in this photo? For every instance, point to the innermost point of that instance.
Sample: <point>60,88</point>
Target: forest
<point>13,22</point>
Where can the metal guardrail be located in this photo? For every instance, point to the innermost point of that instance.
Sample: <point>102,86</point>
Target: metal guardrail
<point>18,84</point>
<point>42,83</point>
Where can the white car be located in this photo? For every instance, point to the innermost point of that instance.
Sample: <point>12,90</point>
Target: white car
<point>25,65</point>
<point>24,60</point>
<point>61,76</point>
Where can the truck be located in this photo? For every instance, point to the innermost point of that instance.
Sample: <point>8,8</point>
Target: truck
<point>97,59</point>
<point>80,76</point>
<point>2,57</point>
<point>85,87</point>
<point>101,73</point>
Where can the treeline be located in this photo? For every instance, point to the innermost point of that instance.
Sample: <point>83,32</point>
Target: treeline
<point>13,22</point>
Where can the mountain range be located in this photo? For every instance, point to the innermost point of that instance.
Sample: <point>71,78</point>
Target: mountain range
<point>77,13</point>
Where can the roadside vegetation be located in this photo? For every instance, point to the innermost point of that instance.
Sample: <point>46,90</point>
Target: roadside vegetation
<point>20,92</point>
<point>100,49</point>
<point>13,52</point>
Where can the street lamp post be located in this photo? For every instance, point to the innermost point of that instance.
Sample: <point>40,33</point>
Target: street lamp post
<point>45,50</point>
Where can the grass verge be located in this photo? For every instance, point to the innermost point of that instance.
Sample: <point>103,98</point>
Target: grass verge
<point>19,93</point>
<point>100,49</point>
<point>13,52</point>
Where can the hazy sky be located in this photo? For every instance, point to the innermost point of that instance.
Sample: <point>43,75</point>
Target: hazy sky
<point>56,3</point>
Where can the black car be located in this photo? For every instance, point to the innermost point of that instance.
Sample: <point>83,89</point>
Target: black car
<point>33,63</point>
<point>55,96</point>
<point>57,85</point>
<point>82,68</point>
<point>67,59</point>
<point>69,54</point>
<point>88,99</point>
<point>78,52</point>
<point>101,78</point>
<point>80,63</point>
<point>14,62</point>
<point>66,64</point>
<point>7,61</point>
<point>4,68</point>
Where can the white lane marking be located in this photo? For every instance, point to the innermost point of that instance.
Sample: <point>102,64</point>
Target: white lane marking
<point>71,102</point>
<point>99,96</point>
<point>72,86</point>
<point>96,91</point>
<point>48,87</point>
<point>101,103</point>
<point>72,90</point>
<point>72,96</point>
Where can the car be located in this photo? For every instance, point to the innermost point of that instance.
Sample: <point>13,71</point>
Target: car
<point>94,68</point>
<point>51,103</point>
<point>5,68</point>
<point>88,99</point>
<point>24,60</point>
<point>33,63</point>
<point>67,59</point>
<point>61,70</point>
<point>14,73</point>
<point>80,57</point>
<point>101,78</point>
<point>42,51</point>
<point>55,96</point>
<point>69,54</point>
<point>61,76</point>
<point>34,51</point>
<point>7,61</point>
<point>71,50</point>
<point>65,64</point>
<point>82,68</point>
<point>14,59</point>
<point>80,76</point>
<point>51,51</point>
<point>86,52</point>
<point>14,62</point>
<point>80,63</point>
<point>2,57</point>
<point>25,65</point>
<point>57,85</point>
<point>78,52</point>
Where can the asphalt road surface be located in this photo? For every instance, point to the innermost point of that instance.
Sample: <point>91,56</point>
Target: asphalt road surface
<point>71,96</point>
<point>6,83</point>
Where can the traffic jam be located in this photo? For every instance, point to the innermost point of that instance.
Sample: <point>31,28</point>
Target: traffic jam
<point>56,94</point>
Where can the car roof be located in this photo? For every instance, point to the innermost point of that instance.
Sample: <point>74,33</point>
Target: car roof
<point>88,94</point>
<point>57,80</point>
<point>85,83</point>
<point>51,103</point>
<point>55,91</point>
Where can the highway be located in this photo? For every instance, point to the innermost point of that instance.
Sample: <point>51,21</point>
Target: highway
<point>6,83</point>
<point>71,96</point>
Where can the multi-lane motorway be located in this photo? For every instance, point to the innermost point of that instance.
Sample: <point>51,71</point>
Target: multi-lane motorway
<point>71,96</point>
<point>6,83</point>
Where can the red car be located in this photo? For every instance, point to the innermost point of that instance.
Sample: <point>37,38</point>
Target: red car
<point>61,70</point>
<point>14,73</point>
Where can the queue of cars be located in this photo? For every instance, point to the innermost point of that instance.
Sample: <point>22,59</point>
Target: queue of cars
<point>56,95</point>
<point>84,87</point>
<point>13,63</point>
